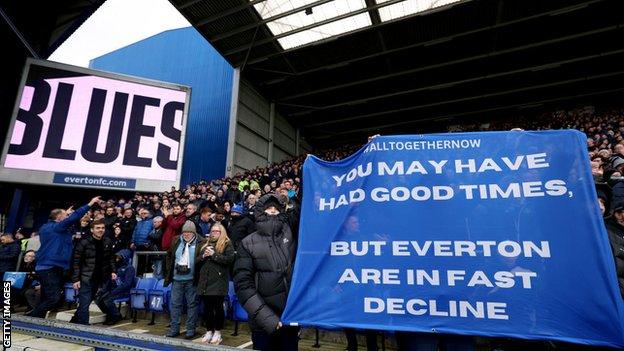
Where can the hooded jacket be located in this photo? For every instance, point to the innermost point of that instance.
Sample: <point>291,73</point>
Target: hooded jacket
<point>125,275</point>
<point>263,269</point>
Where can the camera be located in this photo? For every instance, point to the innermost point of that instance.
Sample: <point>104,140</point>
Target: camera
<point>182,269</point>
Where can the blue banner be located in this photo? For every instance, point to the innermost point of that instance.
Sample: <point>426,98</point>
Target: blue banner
<point>493,234</point>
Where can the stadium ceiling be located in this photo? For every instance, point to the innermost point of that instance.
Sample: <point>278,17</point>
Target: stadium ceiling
<point>344,69</point>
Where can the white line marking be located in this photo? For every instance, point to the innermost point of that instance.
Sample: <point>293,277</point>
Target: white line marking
<point>245,345</point>
<point>138,331</point>
<point>119,325</point>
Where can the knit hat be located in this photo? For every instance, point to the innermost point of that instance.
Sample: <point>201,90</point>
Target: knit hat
<point>189,227</point>
<point>237,208</point>
<point>617,162</point>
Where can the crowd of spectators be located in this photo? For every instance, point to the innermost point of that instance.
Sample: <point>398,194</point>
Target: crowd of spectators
<point>215,227</point>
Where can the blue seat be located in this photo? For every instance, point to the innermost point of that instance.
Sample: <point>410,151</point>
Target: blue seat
<point>238,313</point>
<point>139,295</point>
<point>158,299</point>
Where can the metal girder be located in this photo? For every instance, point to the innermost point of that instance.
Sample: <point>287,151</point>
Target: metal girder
<point>267,20</point>
<point>476,57</point>
<point>18,33</point>
<point>468,98</point>
<point>314,25</point>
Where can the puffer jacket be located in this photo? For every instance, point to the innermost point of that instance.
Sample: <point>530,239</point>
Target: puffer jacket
<point>263,271</point>
<point>616,239</point>
<point>214,270</point>
<point>141,231</point>
<point>84,260</point>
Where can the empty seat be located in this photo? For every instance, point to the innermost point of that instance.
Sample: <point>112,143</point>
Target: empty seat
<point>139,295</point>
<point>158,299</point>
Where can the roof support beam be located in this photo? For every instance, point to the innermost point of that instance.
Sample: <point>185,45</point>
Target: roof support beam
<point>264,21</point>
<point>314,25</point>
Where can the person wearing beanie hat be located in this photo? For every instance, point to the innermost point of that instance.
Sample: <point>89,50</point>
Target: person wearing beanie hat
<point>180,271</point>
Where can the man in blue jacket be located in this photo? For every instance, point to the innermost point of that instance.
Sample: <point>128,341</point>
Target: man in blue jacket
<point>55,255</point>
<point>118,288</point>
<point>140,241</point>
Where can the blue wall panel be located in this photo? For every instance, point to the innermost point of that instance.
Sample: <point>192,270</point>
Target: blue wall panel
<point>184,57</point>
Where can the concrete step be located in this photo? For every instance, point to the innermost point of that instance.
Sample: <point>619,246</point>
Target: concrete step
<point>95,314</point>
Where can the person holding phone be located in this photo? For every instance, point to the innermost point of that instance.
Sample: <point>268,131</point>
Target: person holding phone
<point>214,258</point>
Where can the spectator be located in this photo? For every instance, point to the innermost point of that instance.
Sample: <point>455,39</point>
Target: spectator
<point>127,223</point>
<point>110,218</point>
<point>140,240</point>
<point>31,290</point>
<point>615,228</point>
<point>192,214</point>
<point>205,221</point>
<point>250,206</point>
<point>33,243</point>
<point>9,253</point>
<point>83,230</point>
<point>262,275</point>
<point>55,255</point>
<point>94,265</point>
<point>214,258</point>
<point>155,238</point>
<point>240,226</point>
<point>181,272</point>
<point>117,288</point>
<point>118,241</point>
<point>174,221</point>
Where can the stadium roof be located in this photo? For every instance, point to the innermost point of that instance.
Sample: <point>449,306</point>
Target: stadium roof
<point>344,69</point>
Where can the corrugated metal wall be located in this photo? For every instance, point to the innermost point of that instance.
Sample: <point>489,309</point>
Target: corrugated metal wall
<point>184,57</point>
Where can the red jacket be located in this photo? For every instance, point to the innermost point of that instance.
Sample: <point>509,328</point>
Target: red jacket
<point>173,226</point>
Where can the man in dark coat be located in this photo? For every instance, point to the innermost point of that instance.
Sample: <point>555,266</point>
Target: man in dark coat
<point>262,276</point>
<point>54,255</point>
<point>615,228</point>
<point>9,253</point>
<point>240,226</point>
<point>93,266</point>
